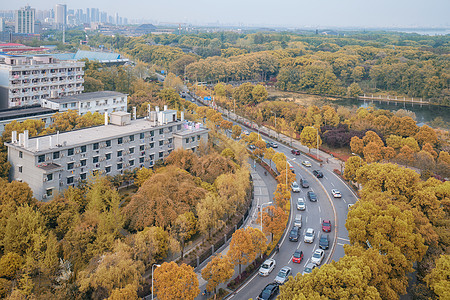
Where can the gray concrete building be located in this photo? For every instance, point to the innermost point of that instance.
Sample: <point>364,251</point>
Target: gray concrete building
<point>24,19</point>
<point>50,164</point>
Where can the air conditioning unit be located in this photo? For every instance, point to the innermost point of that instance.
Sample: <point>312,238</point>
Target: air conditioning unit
<point>151,139</point>
<point>126,140</point>
<point>77,151</point>
<point>44,196</point>
<point>61,183</point>
<point>45,179</point>
<point>83,155</point>
<point>103,158</point>
<point>77,165</point>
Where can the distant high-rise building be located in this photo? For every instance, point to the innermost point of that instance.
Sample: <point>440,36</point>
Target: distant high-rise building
<point>25,18</point>
<point>117,19</point>
<point>125,21</point>
<point>61,15</point>
<point>103,17</point>
<point>2,24</point>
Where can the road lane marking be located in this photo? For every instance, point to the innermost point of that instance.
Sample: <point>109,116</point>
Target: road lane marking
<point>344,239</point>
<point>344,200</point>
<point>299,244</point>
<point>341,244</point>
<point>319,208</point>
<point>332,183</point>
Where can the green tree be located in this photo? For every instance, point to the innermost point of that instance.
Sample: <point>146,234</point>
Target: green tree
<point>310,138</point>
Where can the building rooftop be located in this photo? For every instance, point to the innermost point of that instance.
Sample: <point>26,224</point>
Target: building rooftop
<point>26,111</point>
<point>87,96</point>
<point>94,134</point>
<point>91,55</point>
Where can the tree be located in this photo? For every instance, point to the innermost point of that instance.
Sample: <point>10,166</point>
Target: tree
<point>210,212</point>
<point>426,134</point>
<point>269,154</point>
<point>354,90</point>
<point>10,264</point>
<point>150,245</point>
<point>236,131</point>
<point>310,138</point>
<point>439,279</point>
<point>352,165</point>
<point>259,94</point>
<point>406,155</point>
<point>142,175</point>
<point>372,152</point>
<point>185,227</point>
<point>176,282</point>
<point>242,251</point>
<point>127,292</point>
<point>217,271</point>
<point>356,145</point>
<point>259,240</point>
<point>274,220</point>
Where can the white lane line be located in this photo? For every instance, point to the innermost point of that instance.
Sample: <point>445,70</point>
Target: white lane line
<point>344,200</point>
<point>332,183</point>
<point>298,247</point>
<point>341,244</point>
<point>343,239</point>
<point>319,208</point>
<point>325,177</point>
<point>306,219</point>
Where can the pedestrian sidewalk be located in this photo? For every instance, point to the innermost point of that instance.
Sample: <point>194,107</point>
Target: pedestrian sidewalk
<point>263,187</point>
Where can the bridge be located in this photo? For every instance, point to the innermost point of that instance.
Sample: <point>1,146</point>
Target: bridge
<point>394,99</point>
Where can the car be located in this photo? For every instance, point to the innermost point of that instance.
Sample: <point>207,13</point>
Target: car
<point>283,275</point>
<point>301,204</point>
<point>318,256</point>
<point>246,132</point>
<point>252,147</point>
<point>295,152</point>
<point>306,163</point>
<point>304,183</point>
<point>323,241</point>
<point>295,187</point>
<point>294,234</point>
<point>311,196</point>
<point>318,173</point>
<point>350,206</point>
<point>291,168</point>
<point>297,257</point>
<point>274,145</point>
<point>309,236</point>
<point>326,225</point>
<point>309,268</point>
<point>336,193</point>
<point>270,291</point>
<point>267,267</point>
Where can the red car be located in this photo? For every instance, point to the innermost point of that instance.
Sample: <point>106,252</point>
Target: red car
<point>297,257</point>
<point>295,152</point>
<point>326,225</point>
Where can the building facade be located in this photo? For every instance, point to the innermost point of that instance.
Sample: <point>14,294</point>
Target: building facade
<point>52,163</point>
<point>25,18</point>
<point>20,114</point>
<point>101,102</point>
<point>27,80</point>
<point>61,15</point>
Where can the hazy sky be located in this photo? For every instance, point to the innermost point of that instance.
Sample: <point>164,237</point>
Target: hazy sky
<point>293,13</point>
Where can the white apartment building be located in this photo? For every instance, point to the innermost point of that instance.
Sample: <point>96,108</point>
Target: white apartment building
<point>101,102</point>
<point>25,18</point>
<point>26,80</point>
<point>50,164</point>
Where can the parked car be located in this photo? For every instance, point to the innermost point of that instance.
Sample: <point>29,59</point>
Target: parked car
<point>323,242</point>
<point>306,163</point>
<point>267,267</point>
<point>297,257</point>
<point>270,291</point>
<point>304,183</point>
<point>295,152</point>
<point>336,193</point>
<point>301,204</point>
<point>318,256</point>
<point>308,269</point>
<point>283,275</point>
<point>309,236</point>
<point>318,173</point>
<point>326,225</point>
<point>295,187</point>
<point>274,145</point>
<point>312,196</point>
<point>252,147</point>
<point>294,234</point>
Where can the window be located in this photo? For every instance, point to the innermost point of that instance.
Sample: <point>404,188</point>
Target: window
<point>152,133</point>
<point>119,153</point>
<point>95,146</point>
<point>73,104</point>
<point>119,166</point>
<point>20,169</point>
<point>161,131</point>
<point>141,160</point>
<point>132,138</point>
<point>70,180</point>
<point>50,177</point>
<point>120,141</point>
<point>178,127</point>
<point>170,129</point>
<point>83,162</point>
<point>41,158</point>
<point>152,145</point>
<point>108,143</point>
<point>141,148</point>
<point>83,149</point>
<point>170,140</point>
<point>108,156</point>
<point>95,159</point>
<point>70,166</point>
<point>70,152</point>
<point>20,154</point>
<point>131,162</point>
<point>141,135</point>
<point>56,155</point>
<point>108,169</point>
<point>198,138</point>
<point>83,176</point>
<point>131,150</point>
<point>187,140</point>
<point>49,192</point>
<point>161,143</point>
<point>152,157</point>
<point>192,138</point>
<point>64,105</point>
<point>161,154</point>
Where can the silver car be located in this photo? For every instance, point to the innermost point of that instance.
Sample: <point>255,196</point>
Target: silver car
<point>301,204</point>
<point>318,256</point>
<point>267,267</point>
<point>295,187</point>
<point>309,268</point>
<point>283,275</point>
<point>309,236</point>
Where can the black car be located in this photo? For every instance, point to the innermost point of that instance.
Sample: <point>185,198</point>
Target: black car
<point>294,234</point>
<point>323,242</point>
<point>318,174</point>
<point>312,196</point>
<point>304,183</point>
<point>269,292</point>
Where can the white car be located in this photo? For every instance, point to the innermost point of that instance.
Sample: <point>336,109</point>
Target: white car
<point>246,132</point>
<point>318,256</point>
<point>283,275</point>
<point>309,268</point>
<point>301,204</point>
<point>295,187</point>
<point>306,163</point>
<point>309,236</point>
<point>350,206</point>
<point>267,267</point>
<point>336,193</point>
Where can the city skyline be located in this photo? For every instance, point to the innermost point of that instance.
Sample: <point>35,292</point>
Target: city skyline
<point>287,13</point>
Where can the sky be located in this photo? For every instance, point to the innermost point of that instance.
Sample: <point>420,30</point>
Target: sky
<point>273,13</point>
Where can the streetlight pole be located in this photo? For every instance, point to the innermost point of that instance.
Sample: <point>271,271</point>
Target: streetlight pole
<point>360,164</point>
<point>318,158</point>
<point>287,171</point>
<point>152,276</point>
<point>261,207</point>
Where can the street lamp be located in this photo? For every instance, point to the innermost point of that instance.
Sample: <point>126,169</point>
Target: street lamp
<point>261,207</point>
<point>318,158</point>
<point>360,164</point>
<point>287,170</point>
<point>152,276</point>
